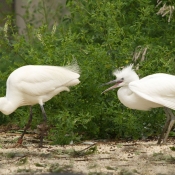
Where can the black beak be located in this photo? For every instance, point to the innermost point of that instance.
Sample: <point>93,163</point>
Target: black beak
<point>117,82</point>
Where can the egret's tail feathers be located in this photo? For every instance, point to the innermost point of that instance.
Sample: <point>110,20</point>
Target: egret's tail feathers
<point>74,66</point>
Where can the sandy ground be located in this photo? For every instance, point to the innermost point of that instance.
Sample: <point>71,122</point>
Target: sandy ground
<point>90,157</point>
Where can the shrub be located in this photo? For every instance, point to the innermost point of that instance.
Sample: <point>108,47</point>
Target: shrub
<point>102,35</point>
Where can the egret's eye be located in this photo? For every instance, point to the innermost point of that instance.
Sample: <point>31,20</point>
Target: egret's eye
<point>122,79</point>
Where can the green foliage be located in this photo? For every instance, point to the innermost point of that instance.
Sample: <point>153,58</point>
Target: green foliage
<point>102,35</point>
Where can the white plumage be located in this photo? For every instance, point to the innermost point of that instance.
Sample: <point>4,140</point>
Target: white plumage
<point>153,91</point>
<point>36,84</point>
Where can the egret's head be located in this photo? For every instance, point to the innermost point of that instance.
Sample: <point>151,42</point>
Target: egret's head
<point>123,77</point>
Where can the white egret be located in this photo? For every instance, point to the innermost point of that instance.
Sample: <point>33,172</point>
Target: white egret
<point>153,91</point>
<point>36,84</point>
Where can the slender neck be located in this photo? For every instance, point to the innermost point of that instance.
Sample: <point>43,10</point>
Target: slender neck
<point>6,107</point>
<point>125,95</point>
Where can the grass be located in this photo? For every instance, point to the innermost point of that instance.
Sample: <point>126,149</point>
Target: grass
<point>125,172</point>
<point>11,155</point>
<point>57,168</point>
<point>111,168</point>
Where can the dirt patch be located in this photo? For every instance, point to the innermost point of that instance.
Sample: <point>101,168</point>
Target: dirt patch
<point>123,158</point>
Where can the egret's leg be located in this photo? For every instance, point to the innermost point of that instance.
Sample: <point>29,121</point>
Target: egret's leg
<point>27,126</point>
<point>165,126</point>
<point>168,125</point>
<point>44,127</point>
<point>171,123</point>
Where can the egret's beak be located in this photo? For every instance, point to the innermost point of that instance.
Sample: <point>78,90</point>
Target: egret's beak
<point>117,82</point>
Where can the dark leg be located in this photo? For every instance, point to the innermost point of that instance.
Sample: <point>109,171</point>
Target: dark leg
<point>165,126</point>
<point>27,127</point>
<point>43,128</point>
<point>171,123</point>
<point>168,125</point>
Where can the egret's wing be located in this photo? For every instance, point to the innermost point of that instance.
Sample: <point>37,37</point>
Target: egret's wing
<point>158,88</point>
<point>40,80</point>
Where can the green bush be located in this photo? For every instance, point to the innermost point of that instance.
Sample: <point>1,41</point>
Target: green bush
<point>102,35</point>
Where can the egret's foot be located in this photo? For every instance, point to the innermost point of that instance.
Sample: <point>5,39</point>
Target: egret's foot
<point>43,128</point>
<point>20,141</point>
<point>19,144</point>
<point>161,142</point>
<point>41,146</point>
<point>161,139</point>
<point>167,127</point>
<point>164,136</point>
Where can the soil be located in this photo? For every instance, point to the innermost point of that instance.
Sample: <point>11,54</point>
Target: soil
<point>90,157</point>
